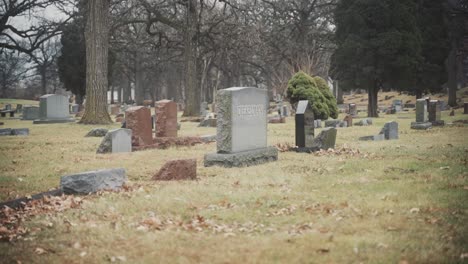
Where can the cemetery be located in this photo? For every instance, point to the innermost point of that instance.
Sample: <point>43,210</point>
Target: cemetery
<point>206,131</point>
<point>339,196</point>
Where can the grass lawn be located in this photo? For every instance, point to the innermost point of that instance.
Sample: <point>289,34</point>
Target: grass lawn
<point>400,201</point>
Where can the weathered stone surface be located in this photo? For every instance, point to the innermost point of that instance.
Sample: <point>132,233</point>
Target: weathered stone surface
<point>378,137</point>
<point>332,123</point>
<point>242,119</point>
<point>53,108</point>
<point>434,112</point>
<point>30,113</point>
<point>138,119</point>
<point>349,120</point>
<point>352,110</point>
<point>421,110</point>
<point>184,169</point>
<point>304,124</point>
<point>166,118</point>
<point>116,141</point>
<point>93,181</point>
<point>364,122</point>
<point>318,123</point>
<point>97,132</point>
<point>390,130</point>
<point>326,139</point>
<point>343,124</point>
<point>242,159</point>
<point>14,132</point>
<point>421,125</point>
<point>5,132</point>
<point>20,132</point>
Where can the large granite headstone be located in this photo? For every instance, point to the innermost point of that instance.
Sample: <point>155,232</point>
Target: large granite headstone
<point>304,124</point>
<point>241,128</point>
<point>115,141</point>
<point>166,118</point>
<point>421,115</point>
<point>53,108</point>
<point>30,113</point>
<point>434,113</point>
<point>138,119</point>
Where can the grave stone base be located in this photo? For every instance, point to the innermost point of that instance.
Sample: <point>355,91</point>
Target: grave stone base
<point>438,123</point>
<point>421,125</point>
<point>53,121</point>
<point>242,159</point>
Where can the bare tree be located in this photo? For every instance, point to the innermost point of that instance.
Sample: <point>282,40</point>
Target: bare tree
<point>12,70</point>
<point>97,46</point>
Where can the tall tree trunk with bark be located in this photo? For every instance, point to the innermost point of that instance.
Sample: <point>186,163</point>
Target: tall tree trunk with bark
<point>191,77</point>
<point>373,100</point>
<point>97,47</point>
<point>452,74</point>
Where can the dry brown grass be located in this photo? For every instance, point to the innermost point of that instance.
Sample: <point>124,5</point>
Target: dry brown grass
<point>402,200</point>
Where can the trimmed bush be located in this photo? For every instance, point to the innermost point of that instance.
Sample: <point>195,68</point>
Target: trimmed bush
<point>303,87</point>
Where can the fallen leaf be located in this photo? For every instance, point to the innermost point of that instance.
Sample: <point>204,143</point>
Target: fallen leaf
<point>40,251</point>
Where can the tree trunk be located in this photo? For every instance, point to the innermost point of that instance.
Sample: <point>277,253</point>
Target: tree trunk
<point>452,74</point>
<point>373,100</point>
<point>127,90</point>
<point>139,82</point>
<point>78,99</point>
<point>43,81</point>
<point>97,47</point>
<point>112,94</point>
<point>192,106</point>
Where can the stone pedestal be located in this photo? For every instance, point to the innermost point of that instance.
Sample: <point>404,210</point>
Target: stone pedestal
<point>166,118</point>
<point>53,108</point>
<point>138,119</point>
<point>241,129</point>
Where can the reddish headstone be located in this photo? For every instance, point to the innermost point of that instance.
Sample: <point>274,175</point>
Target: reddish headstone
<point>177,170</point>
<point>166,118</point>
<point>138,119</point>
<point>349,119</point>
<point>115,109</point>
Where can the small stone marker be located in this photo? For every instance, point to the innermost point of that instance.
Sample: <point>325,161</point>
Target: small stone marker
<point>285,111</point>
<point>14,132</point>
<point>465,108</point>
<point>352,110</point>
<point>53,108</point>
<point>349,120</point>
<point>19,108</point>
<point>166,118</point>
<point>184,169</point>
<point>333,123</point>
<point>97,132</point>
<point>7,107</point>
<point>364,122</point>
<point>434,113</point>
<point>390,130</point>
<point>304,124</point>
<point>241,129</point>
<point>421,115</point>
<point>326,139</point>
<point>116,141</point>
<point>317,123</point>
<point>93,181</point>
<point>138,119</point>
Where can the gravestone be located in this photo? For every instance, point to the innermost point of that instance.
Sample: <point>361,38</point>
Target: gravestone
<point>434,113</point>
<point>390,130</point>
<point>138,119</point>
<point>304,124</point>
<point>364,122</point>
<point>53,108</point>
<point>93,181</point>
<point>241,136</point>
<point>465,108</point>
<point>398,105</point>
<point>19,108</point>
<point>333,123</point>
<point>97,132</point>
<point>349,120</point>
<point>115,141</point>
<point>421,115</point>
<point>285,111</point>
<point>317,123</point>
<point>203,109</point>
<point>326,139</point>
<point>7,107</point>
<point>74,108</point>
<point>166,118</point>
<point>30,113</point>
<point>352,110</point>
<point>443,105</point>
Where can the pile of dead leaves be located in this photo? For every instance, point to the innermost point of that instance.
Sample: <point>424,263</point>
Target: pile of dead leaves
<point>11,219</point>
<point>283,147</point>
<point>345,151</point>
